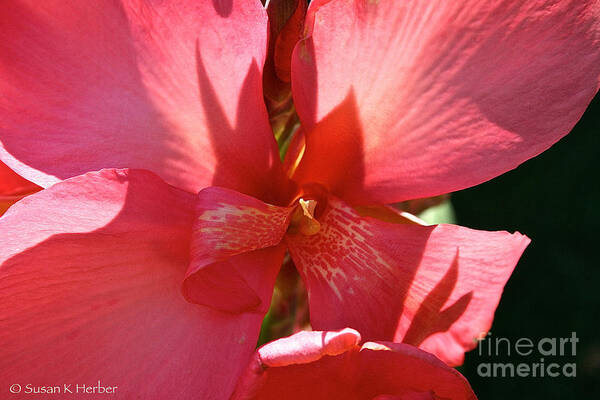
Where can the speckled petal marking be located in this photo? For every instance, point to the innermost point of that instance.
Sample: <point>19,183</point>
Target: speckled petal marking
<point>435,287</point>
<point>230,223</point>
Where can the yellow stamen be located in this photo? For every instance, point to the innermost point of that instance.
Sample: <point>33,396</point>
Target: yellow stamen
<point>303,218</point>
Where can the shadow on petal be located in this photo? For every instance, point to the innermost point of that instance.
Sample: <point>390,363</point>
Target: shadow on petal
<point>223,7</point>
<point>333,156</point>
<point>430,318</point>
<point>256,174</point>
<point>90,286</point>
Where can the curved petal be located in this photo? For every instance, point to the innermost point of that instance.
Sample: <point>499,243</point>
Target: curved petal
<point>230,223</point>
<point>236,251</point>
<point>90,280</point>
<point>435,287</point>
<point>447,95</point>
<point>328,365</point>
<point>242,283</point>
<point>172,87</point>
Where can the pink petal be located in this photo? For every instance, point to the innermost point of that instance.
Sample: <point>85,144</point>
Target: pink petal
<point>90,280</point>
<point>435,287</point>
<point>306,347</point>
<point>242,283</point>
<point>172,87</point>
<point>230,223</point>
<point>236,251</point>
<point>331,365</point>
<point>447,96</point>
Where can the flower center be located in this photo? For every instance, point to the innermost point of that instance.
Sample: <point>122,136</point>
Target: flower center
<point>303,218</point>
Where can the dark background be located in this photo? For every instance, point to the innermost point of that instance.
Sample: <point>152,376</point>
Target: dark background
<point>555,288</point>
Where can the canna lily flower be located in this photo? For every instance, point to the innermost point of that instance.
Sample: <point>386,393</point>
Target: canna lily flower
<point>328,365</point>
<point>148,261</point>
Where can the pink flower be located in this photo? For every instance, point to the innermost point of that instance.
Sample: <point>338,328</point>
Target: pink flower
<point>396,100</point>
<point>333,365</point>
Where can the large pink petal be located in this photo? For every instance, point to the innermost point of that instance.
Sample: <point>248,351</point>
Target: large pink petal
<point>172,87</point>
<point>236,251</point>
<point>447,95</point>
<point>331,365</point>
<point>90,290</point>
<point>435,287</point>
